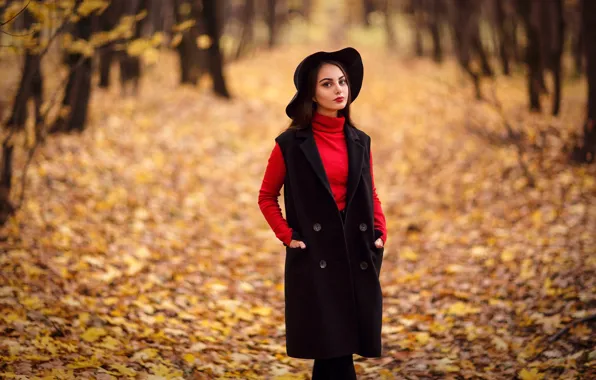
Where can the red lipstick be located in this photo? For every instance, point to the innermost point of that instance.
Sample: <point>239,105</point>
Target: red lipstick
<point>339,99</point>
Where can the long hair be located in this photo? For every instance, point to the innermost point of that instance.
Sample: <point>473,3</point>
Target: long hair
<point>306,107</point>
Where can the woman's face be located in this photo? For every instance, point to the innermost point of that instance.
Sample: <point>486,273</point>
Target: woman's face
<point>331,90</point>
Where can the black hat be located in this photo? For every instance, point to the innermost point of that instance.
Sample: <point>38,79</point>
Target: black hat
<point>348,57</point>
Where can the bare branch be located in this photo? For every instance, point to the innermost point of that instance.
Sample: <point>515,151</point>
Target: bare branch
<point>17,15</point>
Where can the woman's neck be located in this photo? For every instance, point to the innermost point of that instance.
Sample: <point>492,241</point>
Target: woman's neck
<point>324,123</point>
<point>327,112</point>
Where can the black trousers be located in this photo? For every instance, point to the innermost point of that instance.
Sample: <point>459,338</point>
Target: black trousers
<point>340,368</point>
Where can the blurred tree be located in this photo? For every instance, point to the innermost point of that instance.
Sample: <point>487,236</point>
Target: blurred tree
<point>211,19</point>
<point>130,66</point>
<point>532,52</point>
<point>368,8</point>
<point>78,88</point>
<point>428,17</point>
<point>247,36</point>
<point>388,9</point>
<point>276,16</point>
<point>586,152</point>
<point>573,19</point>
<point>31,83</point>
<point>505,28</point>
<point>464,17</point>
<point>544,26</point>
<point>189,28</point>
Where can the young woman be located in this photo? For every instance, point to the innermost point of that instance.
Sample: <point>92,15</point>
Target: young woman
<point>334,231</point>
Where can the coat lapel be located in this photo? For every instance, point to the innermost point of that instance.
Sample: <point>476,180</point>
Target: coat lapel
<point>355,159</point>
<point>309,147</point>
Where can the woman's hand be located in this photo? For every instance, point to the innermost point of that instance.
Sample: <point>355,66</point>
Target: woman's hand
<point>379,243</point>
<point>297,244</point>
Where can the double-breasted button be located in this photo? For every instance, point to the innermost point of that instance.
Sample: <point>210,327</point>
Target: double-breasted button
<point>363,265</point>
<point>322,263</point>
<point>363,227</point>
<point>316,227</point>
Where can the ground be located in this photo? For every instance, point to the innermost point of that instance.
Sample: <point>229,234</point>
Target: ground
<point>140,250</point>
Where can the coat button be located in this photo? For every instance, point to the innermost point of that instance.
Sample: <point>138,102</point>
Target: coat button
<point>322,263</point>
<point>316,227</point>
<point>363,227</point>
<point>363,265</point>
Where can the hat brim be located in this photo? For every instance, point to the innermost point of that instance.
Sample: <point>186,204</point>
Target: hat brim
<point>349,58</point>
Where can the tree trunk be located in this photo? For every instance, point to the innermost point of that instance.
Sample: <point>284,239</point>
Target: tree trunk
<point>532,54</point>
<point>30,86</point>
<point>210,18</point>
<point>463,15</point>
<point>130,66</point>
<point>389,30</point>
<point>272,22</point>
<point>577,40</point>
<point>368,8</point>
<point>247,37</point>
<point>78,87</point>
<point>418,16</point>
<point>587,152</point>
<point>193,61</point>
<point>504,38</point>
<point>555,24</point>
<point>6,207</point>
<point>437,8</point>
<point>107,21</point>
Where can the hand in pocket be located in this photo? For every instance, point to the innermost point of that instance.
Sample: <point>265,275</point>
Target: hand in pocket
<point>297,244</point>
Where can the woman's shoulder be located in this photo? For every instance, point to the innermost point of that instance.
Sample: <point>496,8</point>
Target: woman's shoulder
<point>359,132</point>
<point>286,135</point>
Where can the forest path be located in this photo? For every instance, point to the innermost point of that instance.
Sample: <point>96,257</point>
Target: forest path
<point>141,248</point>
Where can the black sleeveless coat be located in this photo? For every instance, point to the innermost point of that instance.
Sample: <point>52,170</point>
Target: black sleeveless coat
<point>333,300</point>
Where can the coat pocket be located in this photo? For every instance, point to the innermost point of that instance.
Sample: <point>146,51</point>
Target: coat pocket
<point>377,258</point>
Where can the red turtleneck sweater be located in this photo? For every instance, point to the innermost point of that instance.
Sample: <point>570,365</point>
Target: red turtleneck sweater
<point>331,143</point>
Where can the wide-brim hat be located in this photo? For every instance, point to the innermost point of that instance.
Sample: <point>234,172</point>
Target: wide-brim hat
<point>348,57</point>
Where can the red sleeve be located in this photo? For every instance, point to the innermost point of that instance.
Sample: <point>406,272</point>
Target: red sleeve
<point>269,193</point>
<point>380,223</point>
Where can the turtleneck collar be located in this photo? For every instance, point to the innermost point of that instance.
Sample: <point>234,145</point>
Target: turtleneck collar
<point>328,124</point>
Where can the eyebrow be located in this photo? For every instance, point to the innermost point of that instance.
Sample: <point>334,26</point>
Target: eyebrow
<point>343,76</point>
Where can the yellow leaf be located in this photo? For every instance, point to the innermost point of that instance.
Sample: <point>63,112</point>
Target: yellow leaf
<point>176,40</point>
<point>500,344</point>
<point>124,370</point>
<point>145,354</point>
<point>204,42</point>
<point>262,310</point>
<point>184,26</point>
<point>422,337</point>
<point>189,358</point>
<point>92,362</point>
<point>89,6</point>
<point>455,268</point>
<point>408,254</point>
<point>533,374</point>
<point>461,308</point>
<point>507,256</point>
<point>93,333</point>
<point>110,343</point>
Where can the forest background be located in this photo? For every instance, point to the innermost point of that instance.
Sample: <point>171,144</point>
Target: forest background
<point>135,136</point>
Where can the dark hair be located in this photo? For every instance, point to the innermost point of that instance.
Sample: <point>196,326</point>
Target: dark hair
<point>305,106</point>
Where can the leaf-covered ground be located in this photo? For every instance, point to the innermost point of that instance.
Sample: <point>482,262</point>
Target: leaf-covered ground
<point>140,251</point>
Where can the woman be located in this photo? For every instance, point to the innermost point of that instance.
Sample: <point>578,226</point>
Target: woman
<point>335,229</point>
